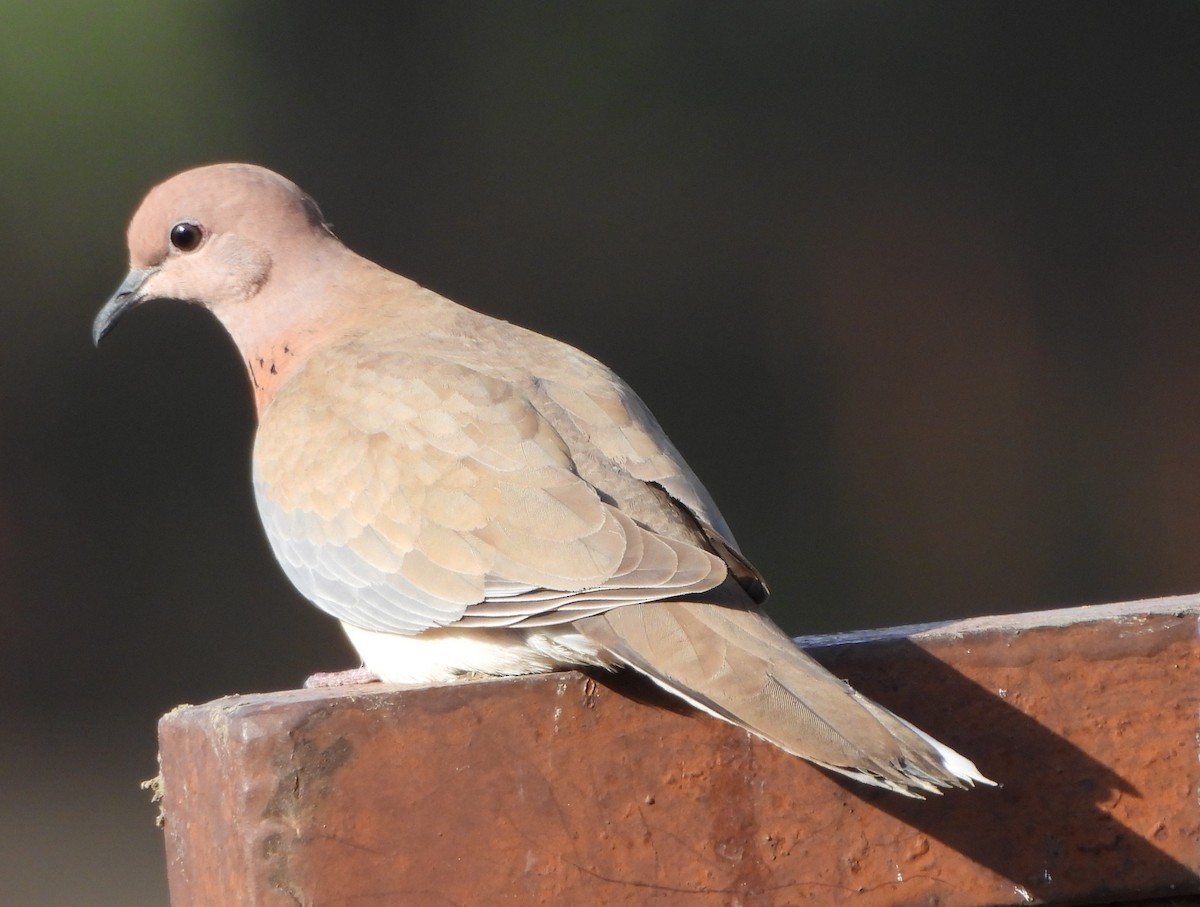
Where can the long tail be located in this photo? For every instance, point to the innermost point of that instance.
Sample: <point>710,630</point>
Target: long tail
<point>733,662</point>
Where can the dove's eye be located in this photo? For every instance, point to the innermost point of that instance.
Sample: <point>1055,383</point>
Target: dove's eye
<point>186,237</point>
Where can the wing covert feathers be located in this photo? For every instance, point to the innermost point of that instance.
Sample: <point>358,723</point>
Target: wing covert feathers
<point>445,496</point>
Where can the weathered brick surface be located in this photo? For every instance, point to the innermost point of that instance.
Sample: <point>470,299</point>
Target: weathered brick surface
<point>572,790</point>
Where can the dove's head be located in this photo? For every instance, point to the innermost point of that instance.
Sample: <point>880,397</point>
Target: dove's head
<point>216,236</point>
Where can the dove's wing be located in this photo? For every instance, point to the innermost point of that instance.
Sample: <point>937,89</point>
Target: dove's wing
<point>402,493</point>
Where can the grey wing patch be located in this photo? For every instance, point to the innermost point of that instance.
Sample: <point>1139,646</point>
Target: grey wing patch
<point>344,584</point>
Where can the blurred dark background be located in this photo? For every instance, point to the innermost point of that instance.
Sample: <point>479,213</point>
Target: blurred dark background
<point>913,287</point>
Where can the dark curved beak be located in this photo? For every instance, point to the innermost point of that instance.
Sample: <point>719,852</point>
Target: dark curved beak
<point>128,294</point>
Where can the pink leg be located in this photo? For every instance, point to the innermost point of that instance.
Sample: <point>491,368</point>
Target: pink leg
<point>340,678</point>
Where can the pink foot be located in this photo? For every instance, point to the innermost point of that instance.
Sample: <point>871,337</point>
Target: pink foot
<point>340,678</point>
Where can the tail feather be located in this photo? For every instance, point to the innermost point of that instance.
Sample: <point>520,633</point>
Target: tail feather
<point>733,662</point>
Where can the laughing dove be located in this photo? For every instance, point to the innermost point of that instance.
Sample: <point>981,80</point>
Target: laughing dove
<point>469,497</point>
